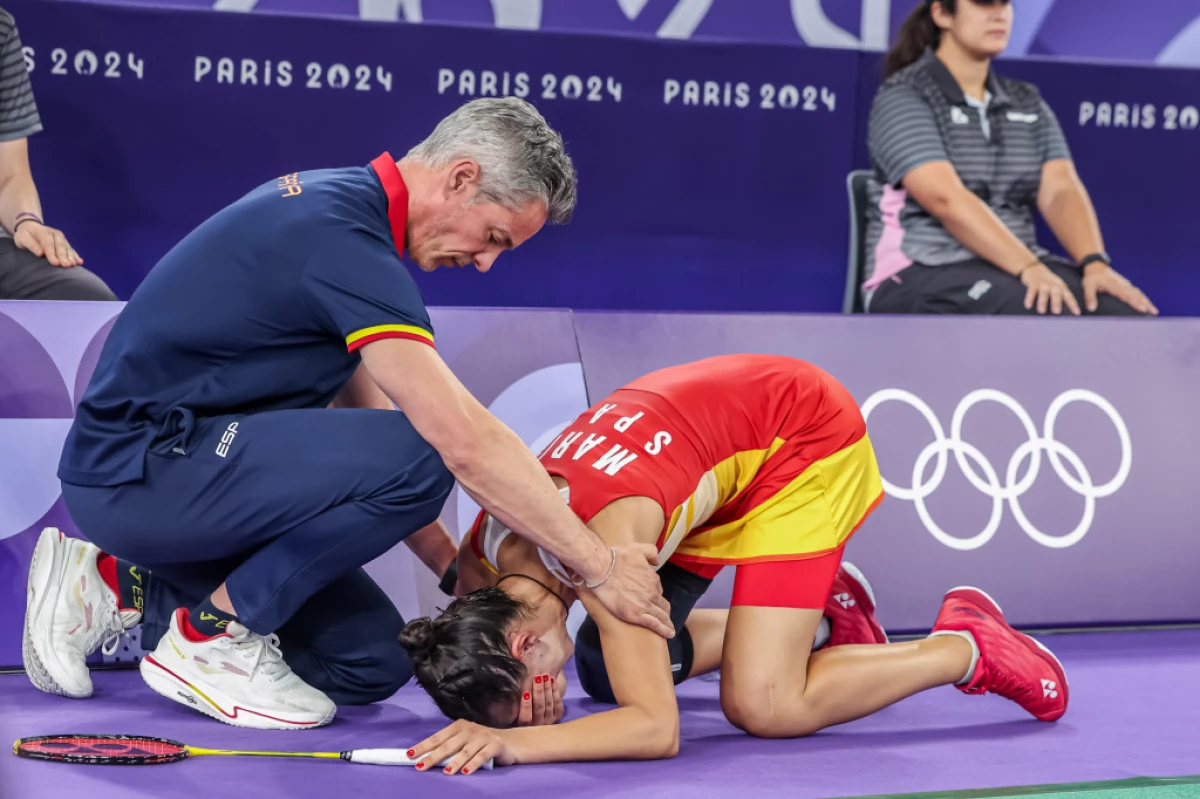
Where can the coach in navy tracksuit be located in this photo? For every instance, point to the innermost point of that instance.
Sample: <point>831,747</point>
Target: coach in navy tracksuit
<point>206,450</point>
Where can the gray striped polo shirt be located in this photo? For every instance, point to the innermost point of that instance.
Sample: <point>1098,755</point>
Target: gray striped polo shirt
<point>998,148</point>
<point>18,112</point>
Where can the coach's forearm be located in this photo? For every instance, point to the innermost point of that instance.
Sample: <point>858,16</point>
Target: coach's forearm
<point>487,458</point>
<point>499,472</point>
<point>976,226</point>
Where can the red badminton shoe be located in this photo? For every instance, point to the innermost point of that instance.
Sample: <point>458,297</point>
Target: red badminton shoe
<point>851,610</point>
<point>1010,663</point>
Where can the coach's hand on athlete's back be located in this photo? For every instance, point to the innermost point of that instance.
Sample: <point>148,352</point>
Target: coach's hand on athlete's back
<point>495,467</point>
<point>633,581</point>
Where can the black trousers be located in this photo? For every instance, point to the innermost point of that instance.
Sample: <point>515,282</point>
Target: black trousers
<point>978,287</point>
<point>25,276</point>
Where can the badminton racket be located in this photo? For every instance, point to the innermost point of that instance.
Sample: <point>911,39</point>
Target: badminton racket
<point>140,750</point>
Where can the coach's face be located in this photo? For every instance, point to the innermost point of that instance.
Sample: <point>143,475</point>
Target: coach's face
<point>463,230</point>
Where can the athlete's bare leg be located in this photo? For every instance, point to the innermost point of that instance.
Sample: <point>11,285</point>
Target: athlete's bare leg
<point>772,687</point>
<point>707,629</point>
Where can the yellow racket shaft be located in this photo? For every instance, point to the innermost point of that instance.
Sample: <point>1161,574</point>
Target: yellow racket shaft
<point>376,757</point>
<point>195,751</point>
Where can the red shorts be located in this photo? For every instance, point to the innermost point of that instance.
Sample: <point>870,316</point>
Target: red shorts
<point>780,584</point>
<point>787,583</point>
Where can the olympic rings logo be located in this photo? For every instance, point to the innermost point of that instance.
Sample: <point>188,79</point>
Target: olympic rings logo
<point>1012,488</point>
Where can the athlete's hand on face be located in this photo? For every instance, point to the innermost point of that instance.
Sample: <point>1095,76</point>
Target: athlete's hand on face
<point>542,701</point>
<point>466,745</point>
<point>633,593</point>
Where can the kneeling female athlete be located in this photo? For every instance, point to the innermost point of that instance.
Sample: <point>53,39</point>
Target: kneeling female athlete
<point>761,462</point>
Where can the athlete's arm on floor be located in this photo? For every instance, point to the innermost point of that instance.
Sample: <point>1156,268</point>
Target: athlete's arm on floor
<point>499,472</point>
<point>644,726</point>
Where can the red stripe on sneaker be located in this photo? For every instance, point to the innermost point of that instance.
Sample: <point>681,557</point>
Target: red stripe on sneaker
<point>236,709</point>
<point>107,566</point>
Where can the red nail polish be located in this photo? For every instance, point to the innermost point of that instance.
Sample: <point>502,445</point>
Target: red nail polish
<point>537,680</point>
<point>526,696</point>
<point>446,770</point>
<point>466,771</point>
<point>411,752</point>
<point>420,765</point>
<point>552,681</point>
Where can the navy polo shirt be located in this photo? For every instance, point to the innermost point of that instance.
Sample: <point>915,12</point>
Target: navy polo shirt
<point>262,307</point>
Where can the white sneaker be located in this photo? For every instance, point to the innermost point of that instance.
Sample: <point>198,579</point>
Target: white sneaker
<point>69,613</point>
<point>238,677</point>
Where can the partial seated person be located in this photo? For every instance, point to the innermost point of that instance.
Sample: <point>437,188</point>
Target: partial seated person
<point>962,158</point>
<point>36,261</point>
<point>756,462</point>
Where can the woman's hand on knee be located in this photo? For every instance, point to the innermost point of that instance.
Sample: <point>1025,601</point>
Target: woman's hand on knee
<point>1099,279</point>
<point>1047,290</point>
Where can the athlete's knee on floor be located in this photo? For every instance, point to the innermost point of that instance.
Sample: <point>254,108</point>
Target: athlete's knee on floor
<point>589,663</point>
<point>761,709</point>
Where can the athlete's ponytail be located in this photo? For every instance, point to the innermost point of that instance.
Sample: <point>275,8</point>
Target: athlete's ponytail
<point>918,33</point>
<point>463,659</point>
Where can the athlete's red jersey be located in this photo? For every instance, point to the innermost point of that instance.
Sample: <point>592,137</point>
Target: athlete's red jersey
<point>752,457</point>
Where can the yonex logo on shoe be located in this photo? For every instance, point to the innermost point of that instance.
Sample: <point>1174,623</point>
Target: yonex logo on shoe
<point>1049,688</point>
<point>845,600</point>
<point>969,611</point>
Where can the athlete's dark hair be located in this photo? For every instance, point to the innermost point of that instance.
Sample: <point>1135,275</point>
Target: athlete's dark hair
<point>918,33</point>
<point>463,659</point>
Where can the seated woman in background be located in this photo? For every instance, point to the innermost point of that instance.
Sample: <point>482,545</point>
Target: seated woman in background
<point>758,462</point>
<point>962,158</point>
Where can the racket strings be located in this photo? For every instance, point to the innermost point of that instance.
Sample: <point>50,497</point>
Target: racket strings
<point>101,746</point>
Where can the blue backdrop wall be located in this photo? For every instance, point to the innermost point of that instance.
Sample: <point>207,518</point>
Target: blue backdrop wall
<point>712,174</point>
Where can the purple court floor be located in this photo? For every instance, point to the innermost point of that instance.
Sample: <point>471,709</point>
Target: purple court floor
<point>1135,712</point>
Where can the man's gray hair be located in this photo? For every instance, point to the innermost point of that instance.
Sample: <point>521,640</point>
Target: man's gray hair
<point>521,158</point>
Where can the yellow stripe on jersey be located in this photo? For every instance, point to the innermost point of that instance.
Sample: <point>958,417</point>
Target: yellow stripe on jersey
<point>737,471</point>
<point>383,331</point>
<point>816,512</point>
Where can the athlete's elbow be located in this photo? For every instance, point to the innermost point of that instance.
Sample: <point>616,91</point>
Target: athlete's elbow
<point>661,738</point>
<point>668,742</point>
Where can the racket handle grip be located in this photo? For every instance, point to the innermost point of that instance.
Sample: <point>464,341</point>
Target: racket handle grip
<point>393,757</point>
